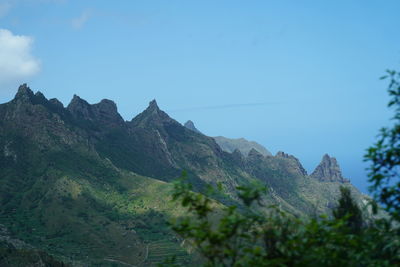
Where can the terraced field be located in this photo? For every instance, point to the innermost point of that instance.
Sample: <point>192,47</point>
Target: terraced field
<point>161,250</point>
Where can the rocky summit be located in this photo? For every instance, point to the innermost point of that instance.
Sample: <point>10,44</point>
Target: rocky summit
<point>190,125</point>
<point>329,171</point>
<point>83,186</point>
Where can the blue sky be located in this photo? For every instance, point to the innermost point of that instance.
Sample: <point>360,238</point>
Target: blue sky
<point>297,76</point>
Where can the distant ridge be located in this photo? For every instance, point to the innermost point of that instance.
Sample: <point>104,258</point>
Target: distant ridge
<point>242,144</point>
<point>230,145</point>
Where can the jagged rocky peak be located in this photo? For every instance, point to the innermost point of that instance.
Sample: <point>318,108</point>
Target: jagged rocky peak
<point>329,171</point>
<point>24,89</point>
<point>107,106</point>
<point>79,108</point>
<point>105,111</point>
<point>282,154</point>
<point>152,109</point>
<point>190,125</point>
<point>151,115</point>
<point>24,93</point>
<point>76,101</point>
<point>153,106</point>
<point>295,160</point>
<point>56,102</point>
<point>40,95</point>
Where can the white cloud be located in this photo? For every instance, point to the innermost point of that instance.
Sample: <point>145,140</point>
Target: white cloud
<point>16,60</point>
<point>80,21</point>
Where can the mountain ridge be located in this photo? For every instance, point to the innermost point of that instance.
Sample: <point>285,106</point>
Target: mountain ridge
<point>102,175</point>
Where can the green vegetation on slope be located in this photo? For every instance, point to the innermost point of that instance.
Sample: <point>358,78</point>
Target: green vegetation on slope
<point>80,208</point>
<point>75,181</point>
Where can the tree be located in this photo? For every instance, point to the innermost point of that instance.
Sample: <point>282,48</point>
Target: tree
<point>349,210</point>
<point>229,236</point>
<point>384,155</point>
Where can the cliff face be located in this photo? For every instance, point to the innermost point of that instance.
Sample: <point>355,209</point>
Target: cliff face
<point>328,171</point>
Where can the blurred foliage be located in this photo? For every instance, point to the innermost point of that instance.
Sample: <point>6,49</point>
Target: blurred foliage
<point>248,238</point>
<point>384,155</point>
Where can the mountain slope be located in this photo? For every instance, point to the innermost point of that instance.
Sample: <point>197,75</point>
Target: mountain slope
<point>87,187</point>
<point>59,195</point>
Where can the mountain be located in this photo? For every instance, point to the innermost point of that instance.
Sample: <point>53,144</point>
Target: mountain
<point>61,195</point>
<point>230,145</point>
<point>88,188</point>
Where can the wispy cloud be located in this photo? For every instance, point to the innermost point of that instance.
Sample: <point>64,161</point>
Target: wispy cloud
<point>43,1</point>
<point>7,5</point>
<point>80,21</point>
<point>16,61</point>
<point>226,106</point>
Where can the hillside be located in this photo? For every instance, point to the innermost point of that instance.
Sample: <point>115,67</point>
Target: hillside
<point>87,187</point>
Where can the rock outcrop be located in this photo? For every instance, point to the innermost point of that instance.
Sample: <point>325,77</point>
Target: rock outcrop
<point>79,108</point>
<point>329,171</point>
<point>104,112</point>
<point>24,93</point>
<point>190,125</point>
<point>297,164</point>
<point>254,155</point>
<point>152,115</point>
